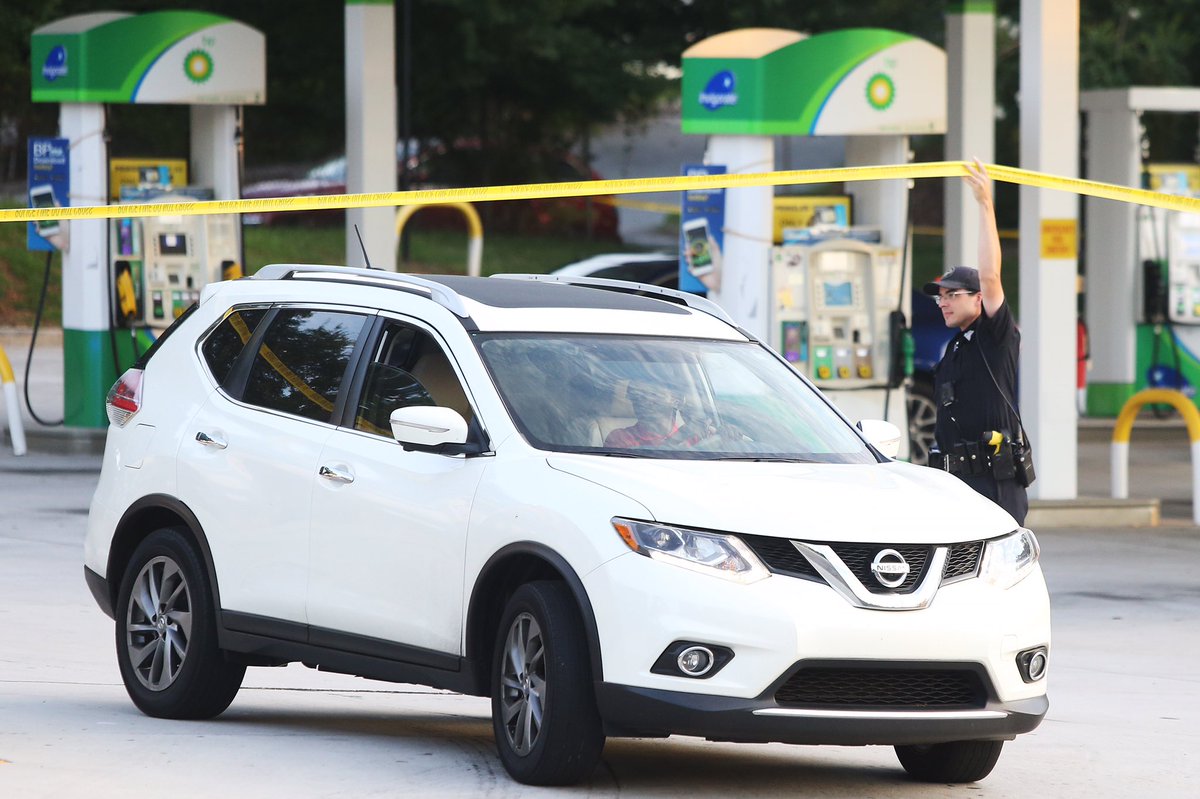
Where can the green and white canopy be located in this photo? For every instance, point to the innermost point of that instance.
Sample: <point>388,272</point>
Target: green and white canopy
<point>768,81</point>
<point>178,57</point>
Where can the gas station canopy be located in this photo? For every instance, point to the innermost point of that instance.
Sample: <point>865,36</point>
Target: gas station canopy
<point>768,81</point>
<point>178,57</point>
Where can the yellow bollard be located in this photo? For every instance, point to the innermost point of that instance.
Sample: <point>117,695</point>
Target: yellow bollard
<point>15,425</point>
<point>474,231</point>
<point>1124,427</point>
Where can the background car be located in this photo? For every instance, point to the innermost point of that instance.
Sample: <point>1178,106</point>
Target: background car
<point>929,332</point>
<point>436,166</point>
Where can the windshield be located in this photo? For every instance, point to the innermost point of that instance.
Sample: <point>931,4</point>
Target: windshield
<point>664,398</point>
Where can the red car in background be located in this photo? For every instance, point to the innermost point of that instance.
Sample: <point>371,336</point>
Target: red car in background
<point>438,166</point>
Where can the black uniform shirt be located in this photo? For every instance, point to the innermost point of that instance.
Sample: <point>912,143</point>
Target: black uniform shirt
<point>977,404</point>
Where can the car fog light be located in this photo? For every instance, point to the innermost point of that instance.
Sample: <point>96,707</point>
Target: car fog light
<point>695,661</point>
<point>692,659</point>
<point>1032,664</point>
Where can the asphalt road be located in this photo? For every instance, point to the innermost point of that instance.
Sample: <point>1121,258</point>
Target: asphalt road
<point>1124,717</point>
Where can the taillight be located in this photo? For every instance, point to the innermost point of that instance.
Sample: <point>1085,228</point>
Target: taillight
<point>124,398</point>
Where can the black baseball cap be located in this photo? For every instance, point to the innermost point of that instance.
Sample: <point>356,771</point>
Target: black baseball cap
<point>960,277</point>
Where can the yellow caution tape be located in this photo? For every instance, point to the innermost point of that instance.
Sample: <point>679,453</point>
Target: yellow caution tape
<point>596,188</point>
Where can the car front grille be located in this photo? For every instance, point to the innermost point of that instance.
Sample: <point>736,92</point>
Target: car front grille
<point>782,557</point>
<point>892,688</point>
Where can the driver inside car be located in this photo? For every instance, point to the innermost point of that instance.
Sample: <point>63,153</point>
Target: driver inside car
<point>658,420</point>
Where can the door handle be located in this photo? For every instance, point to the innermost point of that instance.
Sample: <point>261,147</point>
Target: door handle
<point>211,441</point>
<point>336,475</point>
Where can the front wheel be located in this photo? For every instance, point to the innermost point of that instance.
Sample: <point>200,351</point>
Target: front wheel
<point>167,633</point>
<point>958,761</point>
<point>547,727</point>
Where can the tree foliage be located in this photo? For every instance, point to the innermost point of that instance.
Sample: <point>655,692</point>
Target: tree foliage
<point>515,79</point>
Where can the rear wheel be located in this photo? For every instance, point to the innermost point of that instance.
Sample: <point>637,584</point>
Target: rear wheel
<point>544,715</point>
<point>958,761</point>
<point>167,634</point>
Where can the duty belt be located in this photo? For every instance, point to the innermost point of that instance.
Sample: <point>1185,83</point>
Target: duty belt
<point>960,463</point>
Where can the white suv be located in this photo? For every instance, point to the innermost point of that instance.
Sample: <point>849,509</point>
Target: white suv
<point>603,505</point>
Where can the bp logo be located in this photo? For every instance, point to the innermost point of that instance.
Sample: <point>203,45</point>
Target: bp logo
<point>880,91</point>
<point>198,66</point>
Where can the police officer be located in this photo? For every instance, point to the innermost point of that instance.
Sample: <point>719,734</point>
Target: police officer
<point>975,382</point>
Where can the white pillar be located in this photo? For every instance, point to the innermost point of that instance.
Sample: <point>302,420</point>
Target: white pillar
<point>970,117</point>
<point>85,262</point>
<point>746,257</point>
<point>1049,143</point>
<point>1113,156</point>
<point>216,149</point>
<point>87,356</point>
<point>371,127</point>
<point>879,203</point>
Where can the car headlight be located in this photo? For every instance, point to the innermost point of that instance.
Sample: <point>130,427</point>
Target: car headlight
<point>709,553</point>
<point>1009,560</point>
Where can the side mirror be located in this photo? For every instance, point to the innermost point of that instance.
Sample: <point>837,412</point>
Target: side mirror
<point>884,436</point>
<point>428,427</point>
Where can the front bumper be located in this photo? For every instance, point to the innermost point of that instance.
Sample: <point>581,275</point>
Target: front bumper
<point>629,711</point>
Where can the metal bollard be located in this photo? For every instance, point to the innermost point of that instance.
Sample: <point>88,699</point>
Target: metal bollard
<point>15,425</point>
<point>1124,427</point>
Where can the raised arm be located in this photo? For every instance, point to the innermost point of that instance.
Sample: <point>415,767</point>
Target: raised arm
<point>989,239</point>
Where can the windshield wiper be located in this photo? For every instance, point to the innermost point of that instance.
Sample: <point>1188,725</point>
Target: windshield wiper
<point>612,453</point>
<point>768,459</point>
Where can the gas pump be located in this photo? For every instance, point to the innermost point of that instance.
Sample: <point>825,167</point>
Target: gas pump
<point>1143,264</point>
<point>1168,245</point>
<point>156,266</point>
<point>160,264</point>
<point>833,307</point>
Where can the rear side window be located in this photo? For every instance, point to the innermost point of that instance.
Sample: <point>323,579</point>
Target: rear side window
<point>302,360</point>
<point>224,344</point>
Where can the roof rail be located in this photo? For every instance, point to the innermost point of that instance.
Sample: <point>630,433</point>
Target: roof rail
<point>693,301</point>
<point>440,293</point>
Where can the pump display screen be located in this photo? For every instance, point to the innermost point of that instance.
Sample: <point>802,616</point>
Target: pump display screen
<point>838,295</point>
<point>1189,245</point>
<point>172,244</point>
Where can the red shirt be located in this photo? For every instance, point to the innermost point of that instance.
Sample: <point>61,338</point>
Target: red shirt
<point>635,436</point>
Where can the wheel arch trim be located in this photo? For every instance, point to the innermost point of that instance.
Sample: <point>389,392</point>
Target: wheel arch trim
<point>482,606</point>
<point>142,518</point>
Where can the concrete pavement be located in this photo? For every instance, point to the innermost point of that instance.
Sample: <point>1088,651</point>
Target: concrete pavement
<point>1124,715</point>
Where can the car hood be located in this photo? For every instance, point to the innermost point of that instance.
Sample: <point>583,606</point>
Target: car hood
<point>888,502</point>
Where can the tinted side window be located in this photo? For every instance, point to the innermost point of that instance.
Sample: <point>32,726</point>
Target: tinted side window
<point>408,368</point>
<point>224,344</point>
<point>302,360</point>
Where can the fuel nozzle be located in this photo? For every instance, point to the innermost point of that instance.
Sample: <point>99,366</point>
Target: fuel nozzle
<point>993,439</point>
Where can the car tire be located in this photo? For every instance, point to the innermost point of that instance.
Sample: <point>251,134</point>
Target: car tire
<point>166,633</point>
<point>922,420</point>
<point>958,761</point>
<point>544,714</point>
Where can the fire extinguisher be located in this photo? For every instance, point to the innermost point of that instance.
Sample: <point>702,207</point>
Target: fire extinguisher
<point>1083,355</point>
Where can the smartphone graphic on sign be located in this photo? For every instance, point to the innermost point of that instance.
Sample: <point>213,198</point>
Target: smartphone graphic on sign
<point>43,197</point>
<point>698,246</point>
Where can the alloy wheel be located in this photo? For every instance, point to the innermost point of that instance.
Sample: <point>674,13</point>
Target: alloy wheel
<point>158,626</point>
<point>523,683</point>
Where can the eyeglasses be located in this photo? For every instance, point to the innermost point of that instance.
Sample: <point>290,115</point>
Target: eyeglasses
<point>938,299</point>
